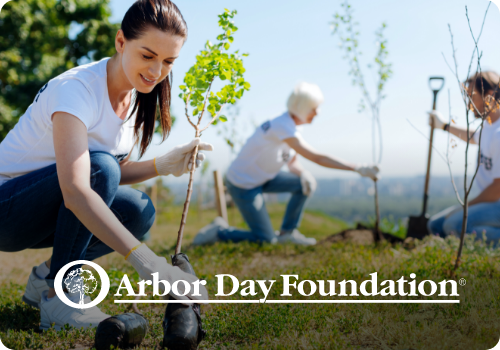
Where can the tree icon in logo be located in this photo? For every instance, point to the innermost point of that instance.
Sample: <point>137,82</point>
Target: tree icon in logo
<point>82,281</point>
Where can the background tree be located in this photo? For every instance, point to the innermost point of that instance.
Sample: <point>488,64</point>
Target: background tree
<point>36,46</point>
<point>345,28</point>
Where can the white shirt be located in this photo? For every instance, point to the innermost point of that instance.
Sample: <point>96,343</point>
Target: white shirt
<point>264,153</point>
<point>82,92</point>
<point>489,168</point>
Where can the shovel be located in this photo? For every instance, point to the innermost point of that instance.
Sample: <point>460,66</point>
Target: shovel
<point>417,225</point>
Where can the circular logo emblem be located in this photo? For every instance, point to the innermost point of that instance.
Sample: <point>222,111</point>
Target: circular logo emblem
<point>81,281</point>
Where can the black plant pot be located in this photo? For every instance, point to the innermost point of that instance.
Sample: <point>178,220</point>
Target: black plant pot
<point>182,328</point>
<point>124,331</point>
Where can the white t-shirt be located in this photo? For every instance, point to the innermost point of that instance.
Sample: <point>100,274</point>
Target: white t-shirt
<point>490,155</point>
<point>264,153</point>
<point>82,92</point>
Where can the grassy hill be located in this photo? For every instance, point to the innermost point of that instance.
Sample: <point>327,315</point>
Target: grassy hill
<point>472,324</point>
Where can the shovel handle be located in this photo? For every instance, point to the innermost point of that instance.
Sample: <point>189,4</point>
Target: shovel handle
<point>434,90</point>
<point>428,172</point>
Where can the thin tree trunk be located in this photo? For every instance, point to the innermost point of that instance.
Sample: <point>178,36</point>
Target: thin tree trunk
<point>464,227</point>
<point>188,198</point>
<point>377,214</point>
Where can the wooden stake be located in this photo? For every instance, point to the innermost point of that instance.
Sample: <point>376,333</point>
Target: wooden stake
<point>220,195</point>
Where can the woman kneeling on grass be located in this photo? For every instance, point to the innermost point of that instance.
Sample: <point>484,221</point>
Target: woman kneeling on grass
<point>256,170</point>
<point>484,210</point>
<point>62,164</point>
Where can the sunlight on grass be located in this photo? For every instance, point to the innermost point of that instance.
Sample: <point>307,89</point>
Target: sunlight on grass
<point>472,324</point>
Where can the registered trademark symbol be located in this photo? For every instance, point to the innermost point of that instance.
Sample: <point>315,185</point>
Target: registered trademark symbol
<point>462,281</point>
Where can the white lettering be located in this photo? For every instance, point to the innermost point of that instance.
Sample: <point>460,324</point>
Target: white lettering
<point>186,289</point>
<point>220,285</point>
<point>287,284</point>
<point>156,285</point>
<point>373,282</point>
<point>421,287</point>
<point>127,286</point>
<point>454,293</point>
<point>354,288</point>
<point>301,288</point>
<point>322,288</point>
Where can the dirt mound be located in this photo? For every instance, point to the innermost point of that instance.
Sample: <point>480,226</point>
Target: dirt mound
<point>361,235</point>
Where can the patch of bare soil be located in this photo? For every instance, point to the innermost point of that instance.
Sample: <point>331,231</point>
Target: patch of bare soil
<point>361,235</point>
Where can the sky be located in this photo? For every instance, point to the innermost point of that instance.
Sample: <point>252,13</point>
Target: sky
<point>291,41</point>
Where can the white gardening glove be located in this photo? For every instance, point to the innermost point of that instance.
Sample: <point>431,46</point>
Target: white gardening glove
<point>308,183</point>
<point>178,160</point>
<point>370,171</point>
<point>146,262</point>
<point>438,119</point>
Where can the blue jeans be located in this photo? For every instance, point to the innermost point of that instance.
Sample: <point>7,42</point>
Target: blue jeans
<point>33,214</point>
<point>253,209</point>
<point>483,217</point>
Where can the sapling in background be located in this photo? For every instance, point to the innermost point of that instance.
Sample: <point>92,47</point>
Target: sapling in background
<point>490,105</point>
<point>212,63</point>
<point>344,26</point>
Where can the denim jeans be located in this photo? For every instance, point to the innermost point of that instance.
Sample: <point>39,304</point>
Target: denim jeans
<point>483,217</point>
<point>33,214</point>
<point>253,209</point>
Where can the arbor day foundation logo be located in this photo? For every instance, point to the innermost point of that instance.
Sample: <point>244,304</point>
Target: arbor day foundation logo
<point>81,281</point>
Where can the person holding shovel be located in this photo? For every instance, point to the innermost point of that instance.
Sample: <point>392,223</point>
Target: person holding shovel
<point>484,210</point>
<point>62,164</point>
<point>257,170</point>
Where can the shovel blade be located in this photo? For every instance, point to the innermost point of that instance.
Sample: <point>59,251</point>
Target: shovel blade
<point>417,227</point>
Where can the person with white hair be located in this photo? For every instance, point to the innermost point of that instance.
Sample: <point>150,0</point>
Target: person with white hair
<point>257,170</point>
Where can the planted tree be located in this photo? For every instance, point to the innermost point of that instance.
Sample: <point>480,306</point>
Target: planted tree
<point>344,26</point>
<point>490,104</point>
<point>214,62</point>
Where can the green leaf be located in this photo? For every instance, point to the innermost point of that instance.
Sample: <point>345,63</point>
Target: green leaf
<point>223,118</point>
<point>226,46</point>
<point>195,111</point>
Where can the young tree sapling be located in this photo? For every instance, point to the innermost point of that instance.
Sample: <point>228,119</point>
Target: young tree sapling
<point>344,26</point>
<point>213,62</point>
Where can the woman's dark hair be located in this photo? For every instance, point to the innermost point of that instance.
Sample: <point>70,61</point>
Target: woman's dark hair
<point>485,82</point>
<point>165,16</point>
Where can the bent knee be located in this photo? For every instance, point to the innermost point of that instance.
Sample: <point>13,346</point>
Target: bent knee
<point>105,168</point>
<point>452,227</point>
<point>142,212</point>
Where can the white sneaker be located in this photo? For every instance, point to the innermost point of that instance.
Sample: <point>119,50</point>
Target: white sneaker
<point>55,311</point>
<point>296,237</point>
<point>34,289</point>
<point>210,233</point>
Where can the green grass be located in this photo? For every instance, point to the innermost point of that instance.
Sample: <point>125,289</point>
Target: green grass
<point>472,324</point>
